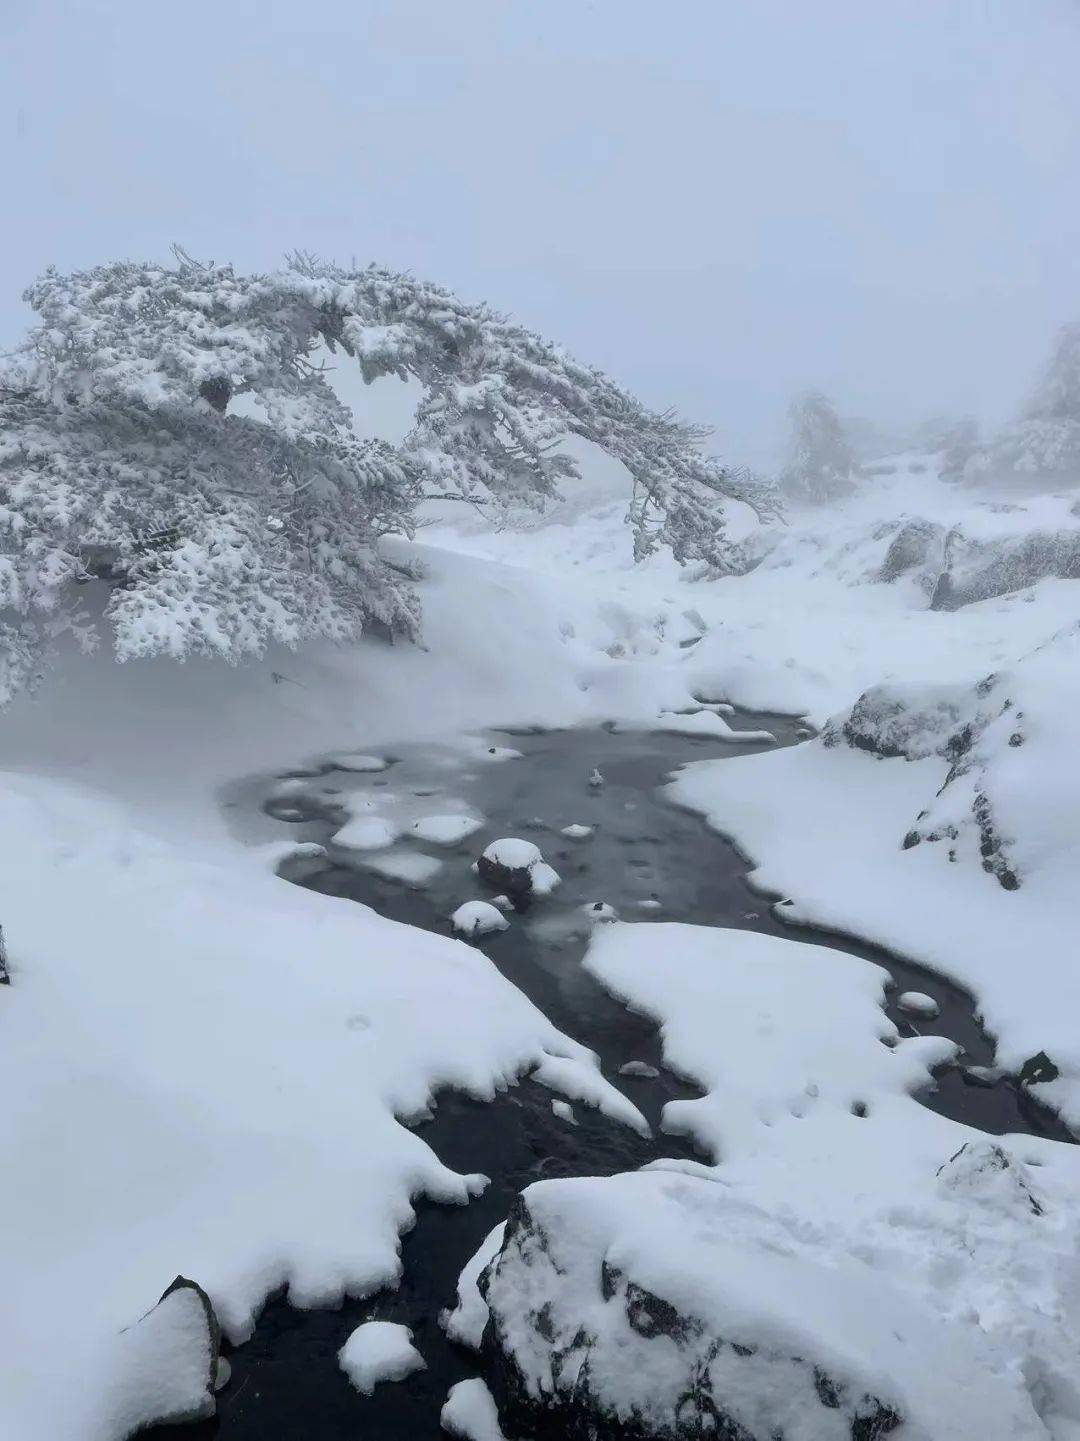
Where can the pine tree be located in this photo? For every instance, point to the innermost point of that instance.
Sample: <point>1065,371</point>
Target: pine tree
<point>820,464</point>
<point>1045,442</point>
<point>220,532</point>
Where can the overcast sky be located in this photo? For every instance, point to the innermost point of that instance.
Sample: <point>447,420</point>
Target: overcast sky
<point>718,201</point>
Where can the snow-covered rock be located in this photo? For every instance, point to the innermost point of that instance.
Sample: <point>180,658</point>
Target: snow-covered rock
<point>671,1306</point>
<point>379,1351</point>
<point>577,832</point>
<point>918,1003</point>
<point>517,867</point>
<point>470,1412</point>
<point>165,1366</point>
<point>597,911</point>
<point>478,918</point>
<point>988,1175</point>
<point>639,1069</point>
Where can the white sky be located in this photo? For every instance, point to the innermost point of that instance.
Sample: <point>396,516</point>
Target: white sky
<point>718,201</point>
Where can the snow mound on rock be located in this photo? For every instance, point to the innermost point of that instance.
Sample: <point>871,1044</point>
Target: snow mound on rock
<point>379,1351</point>
<point>478,918</point>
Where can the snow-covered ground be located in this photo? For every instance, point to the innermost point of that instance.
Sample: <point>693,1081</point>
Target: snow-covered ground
<point>846,1231</point>
<point>841,603</point>
<point>202,1065</point>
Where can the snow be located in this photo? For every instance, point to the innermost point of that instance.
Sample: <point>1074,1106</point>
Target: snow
<point>577,832</point>
<point>445,830</point>
<point>478,918</point>
<point>564,1111</point>
<point>355,761</point>
<point>708,723</point>
<point>825,826</point>
<point>203,1063</point>
<point>470,1412</point>
<point>379,1351</point>
<point>544,878</point>
<point>204,1066</point>
<point>580,1080</point>
<point>822,1157</point>
<point>514,854</point>
<point>366,833</point>
<point>822,1331</point>
<point>412,867</point>
<point>640,1069</point>
<point>160,1368</point>
<point>465,1323</point>
<point>918,1004</point>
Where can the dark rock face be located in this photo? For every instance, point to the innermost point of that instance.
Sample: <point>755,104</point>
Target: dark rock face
<point>979,570</point>
<point>892,722</point>
<point>1038,1068</point>
<point>571,1395</point>
<point>969,727</point>
<point>955,570</point>
<point>919,545</point>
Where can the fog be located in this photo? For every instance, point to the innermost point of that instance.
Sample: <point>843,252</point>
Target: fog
<point>718,201</point>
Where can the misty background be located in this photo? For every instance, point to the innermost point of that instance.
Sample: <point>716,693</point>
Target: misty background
<point>717,201</point>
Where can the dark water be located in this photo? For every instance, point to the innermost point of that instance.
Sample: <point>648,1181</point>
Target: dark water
<point>286,1381</point>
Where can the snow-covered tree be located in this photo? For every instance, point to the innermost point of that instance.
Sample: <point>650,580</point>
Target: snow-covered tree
<point>820,464</point>
<point>1045,441</point>
<point>122,454</point>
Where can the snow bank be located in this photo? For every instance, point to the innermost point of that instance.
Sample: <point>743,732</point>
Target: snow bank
<point>852,1256</point>
<point>967,797</point>
<point>203,1066</point>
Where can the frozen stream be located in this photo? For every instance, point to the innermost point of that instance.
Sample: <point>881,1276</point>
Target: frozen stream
<point>286,1381</point>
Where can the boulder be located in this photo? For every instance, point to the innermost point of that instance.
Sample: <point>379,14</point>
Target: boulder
<point>516,868</point>
<point>655,1306</point>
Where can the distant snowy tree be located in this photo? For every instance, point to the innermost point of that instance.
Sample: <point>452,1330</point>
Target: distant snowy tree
<point>1045,441</point>
<point>820,464</point>
<point>222,532</point>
